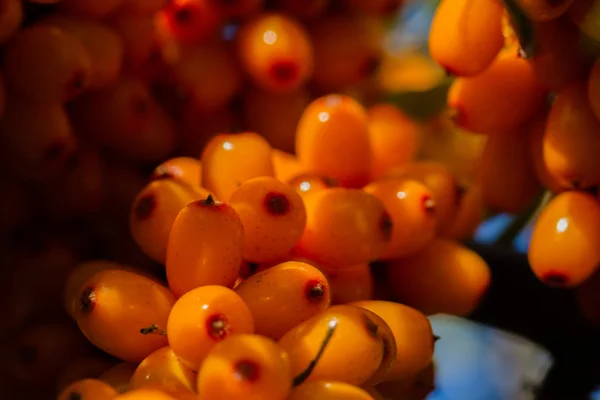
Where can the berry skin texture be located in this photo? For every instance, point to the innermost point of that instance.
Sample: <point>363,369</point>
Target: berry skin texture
<point>245,367</point>
<point>466,35</point>
<point>564,250</point>
<point>205,246</point>
<point>350,284</point>
<point>332,139</point>
<point>284,296</point>
<point>329,390</point>
<point>88,389</point>
<point>145,394</point>
<point>344,227</point>
<point>184,169</point>
<point>203,317</point>
<point>116,329</point>
<point>537,130</point>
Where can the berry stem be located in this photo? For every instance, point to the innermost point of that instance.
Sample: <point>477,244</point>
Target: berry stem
<point>303,376</point>
<point>153,330</point>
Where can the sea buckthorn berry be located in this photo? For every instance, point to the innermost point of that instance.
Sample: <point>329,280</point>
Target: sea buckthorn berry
<point>360,346</point>
<point>503,96</point>
<point>154,210</point>
<point>571,144</point>
<point>347,50</point>
<point>145,394</point>
<point>594,88</point>
<point>376,7</point>
<point>393,136</point>
<point>205,246</point>
<point>507,178</point>
<point>310,183</point>
<point>440,181</point>
<point>469,214</point>
<point>350,284</point>
<point>37,139</point>
<point>203,317</point>
<point>328,390</point>
<point>458,276</point>
<point>164,369</point>
<point>131,123</point>
<point>275,115</point>
<point>273,216</point>
<point>418,386</point>
<point>564,247</point>
<point>11,17</point>
<point>236,8</point>
<point>66,62</point>
<point>184,169</point>
<point>119,376</point>
<point>344,227</point>
<point>587,296</point>
<point>286,165</point>
<point>245,366</point>
<point>83,368</point>
<point>412,333</point>
<point>102,43</point>
<point>283,296</point>
<point>276,52</point>
<point>92,8</point>
<point>466,35</point>
<point>88,389</point>
<point>115,329</point>
<point>543,10</point>
<point>39,353</point>
<point>412,209</point>
<point>305,10</point>
<point>187,21</point>
<point>332,139</point>
<point>557,59</point>
<point>229,160</point>
<point>537,130</point>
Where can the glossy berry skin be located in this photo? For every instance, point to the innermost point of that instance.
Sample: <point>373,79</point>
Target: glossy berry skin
<point>203,317</point>
<point>276,52</point>
<point>119,376</point>
<point>88,389</point>
<point>245,367</point>
<point>154,210</point>
<point>332,139</point>
<point>184,169</point>
<point>286,165</point>
<point>231,159</point>
<point>563,251</point>
<point>284,296</point>
<point>458,276</point>
<point>309,183</point>
<point>413,335</point>
<point>466,35</point>
<point>344,227</point>
<point>117,330</point>
<point>571,144</point>
<point>187,21</point>
<point>369,337</point>
<point>205,246</point>
<point>273,216</point>
<point>537,130</point>
<point>411,206</point>
<point>350,284</point>
<point>329,390</point>
<point>145,394</point>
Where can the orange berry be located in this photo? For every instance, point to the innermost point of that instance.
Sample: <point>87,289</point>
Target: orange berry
<point>361,348</point>
<point>332,139</point>
<point>458,276</point>
<point>203,317</point>
<point>412,333</point>
<point>542,10</point>
<point>119,330</point>
<point>347,49</point>
<point>284,296</point>
<point>466,35</point>
<point>119,376</point>
<point>571,144</point>
<point>88,389</point>
<point>276,52</point>
<point>145,394</point>
<point>416,387</point>
<point>286,165</point>
<point>469,214</point>
<point>507,178</point>
<point>503,96</point>
<point>245,367</point>
<point>563,250</point>
<point>184,169</point>
<point>82,368</point>
<point>205,246</point>
<point>187,21</point>
<point>350,284</point>
<point>393,136</point>
<point>275,115</point>
<point>229,160</point>
<point>344,227</point>
<point>154,210</point>
<point>328,390</point>
<point>307,9</point>
<point>309,183</point>
<point>273,216</point>
<point>412,209</point>
<point>587,296</point>
<point>537,130</point>
<point>164,370</point>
